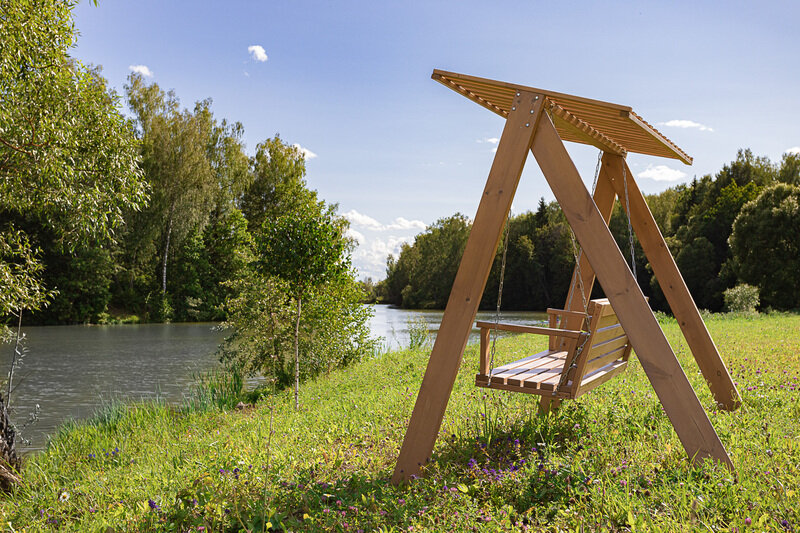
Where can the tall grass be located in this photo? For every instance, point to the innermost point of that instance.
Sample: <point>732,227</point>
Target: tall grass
<point>607,461</point>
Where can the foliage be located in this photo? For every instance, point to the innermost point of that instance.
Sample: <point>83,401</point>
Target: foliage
<point>205,261</point>
<point>608,461</point>
<point>306,248</point>
<point>742,298</point>
<point>277,184</point>
<point>765,243</point>
<point>67,156</point>
<point>305,256</point>
<point>20,269</point>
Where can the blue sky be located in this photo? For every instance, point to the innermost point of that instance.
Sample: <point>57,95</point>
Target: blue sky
<point>350,83</point>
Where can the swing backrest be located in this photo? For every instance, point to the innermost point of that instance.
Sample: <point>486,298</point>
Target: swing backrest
<point>605,353</point>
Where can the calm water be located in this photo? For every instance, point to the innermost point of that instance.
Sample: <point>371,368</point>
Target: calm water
<point>71,371</point>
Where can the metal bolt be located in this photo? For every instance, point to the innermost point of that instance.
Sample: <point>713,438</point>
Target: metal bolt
<point>527,124</point>
<point>517,94</point>
<point>513,108</point>
<point>536,98</point>
<point>531,111</point>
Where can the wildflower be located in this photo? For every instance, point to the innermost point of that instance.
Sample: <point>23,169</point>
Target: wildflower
<point>63,497</point>
<point>153,505</point>
<point>747,521</point>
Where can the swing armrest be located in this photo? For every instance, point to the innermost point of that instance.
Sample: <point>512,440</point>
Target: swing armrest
<point>553,332</point>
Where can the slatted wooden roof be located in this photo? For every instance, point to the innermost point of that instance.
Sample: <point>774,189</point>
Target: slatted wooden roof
<point>611,127</point>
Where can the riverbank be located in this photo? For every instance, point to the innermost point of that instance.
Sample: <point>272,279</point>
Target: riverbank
<point>609,460</point>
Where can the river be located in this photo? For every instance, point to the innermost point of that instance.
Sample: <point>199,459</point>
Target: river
<point>71,371</point>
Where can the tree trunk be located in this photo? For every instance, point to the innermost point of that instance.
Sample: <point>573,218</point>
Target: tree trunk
<point>297,357</point>
<point>166,249</point>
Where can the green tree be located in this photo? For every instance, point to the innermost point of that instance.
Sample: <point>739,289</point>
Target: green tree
<point>277,185</point>
<point>765,243</point>
<point>790,169</point>
<point>67,155</point>
<point>184,158</point>
<point>306,249</point>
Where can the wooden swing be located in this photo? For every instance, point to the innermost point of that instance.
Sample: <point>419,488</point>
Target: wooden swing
<point>576,361</point>
<point>538,121</point>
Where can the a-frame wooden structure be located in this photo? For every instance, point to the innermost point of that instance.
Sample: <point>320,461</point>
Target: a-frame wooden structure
<point>539,120</point>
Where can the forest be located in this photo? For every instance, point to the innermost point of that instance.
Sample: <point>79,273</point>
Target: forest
<point>718,228</point>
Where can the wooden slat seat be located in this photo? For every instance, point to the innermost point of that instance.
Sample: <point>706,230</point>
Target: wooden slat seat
<point>604,351</point>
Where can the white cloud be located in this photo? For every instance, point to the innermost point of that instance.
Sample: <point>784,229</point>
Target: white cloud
<point>368,223</point>
<point>661,173</point>
<point>793,150</point>
<point>402,223</point>
<point>685,124</point>
<point>308,154</point>
<point>370,257</point>
<point>257,52</point>
<point>376,240</point>
<point>141,69</point>
<point>490,140</point>
<point>360,219</point>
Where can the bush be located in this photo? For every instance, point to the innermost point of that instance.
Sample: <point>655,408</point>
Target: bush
<point>742,298</point>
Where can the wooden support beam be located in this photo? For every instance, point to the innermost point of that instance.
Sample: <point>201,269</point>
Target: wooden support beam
<point>672,284</point>
<point>437,384</point>
<point>654,352</point>
<point>604,196</point>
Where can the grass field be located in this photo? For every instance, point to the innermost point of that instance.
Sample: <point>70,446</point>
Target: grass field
<point>608,461</point>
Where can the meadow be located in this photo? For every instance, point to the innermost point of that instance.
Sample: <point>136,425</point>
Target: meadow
<point>608,461</point>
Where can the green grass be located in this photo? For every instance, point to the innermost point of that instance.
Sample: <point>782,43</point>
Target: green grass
<point>608,461</point>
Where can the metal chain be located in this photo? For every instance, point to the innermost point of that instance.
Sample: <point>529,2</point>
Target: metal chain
<point>577,253</point>
<point>567,367</point>
<point>499,296</point>
<point>628,213</point>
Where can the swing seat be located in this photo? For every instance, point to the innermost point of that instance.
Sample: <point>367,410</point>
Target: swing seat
<point>604,354</point>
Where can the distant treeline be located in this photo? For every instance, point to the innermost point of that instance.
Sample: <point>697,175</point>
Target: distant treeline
<point>740,226</point>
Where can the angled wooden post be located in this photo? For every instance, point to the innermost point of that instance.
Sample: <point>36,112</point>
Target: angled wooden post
<point>690,421</point>
<point>672,284</point>
<point>604,196</point>
<point>470,281</point>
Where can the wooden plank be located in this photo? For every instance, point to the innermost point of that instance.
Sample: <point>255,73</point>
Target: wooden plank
<point>470,281</point>
<point>672,284</point>
<point>598,349</point>
<point>533,375</point>
<point>608,320</point>
<point>599,377</point>
<point>526,360</point>
<point>609,332</point>
<point>605,359</point>
<point>515,388</point>
<point>519,328</point>
<point>530,365</point>
<point>655,354</point>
